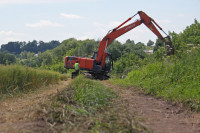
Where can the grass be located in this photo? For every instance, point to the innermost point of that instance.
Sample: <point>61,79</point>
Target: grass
<point>16,79</point>
<point>175,79</point>
<point>87,106</point>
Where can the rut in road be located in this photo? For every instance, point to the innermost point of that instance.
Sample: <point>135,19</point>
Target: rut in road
<point>19,114</point>
<point>159,115</point>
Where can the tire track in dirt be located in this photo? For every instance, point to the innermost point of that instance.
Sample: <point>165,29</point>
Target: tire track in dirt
<point>19,114</point>
<point>157,114</point>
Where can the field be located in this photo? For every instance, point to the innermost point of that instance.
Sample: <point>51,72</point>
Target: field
<point>16,79</point>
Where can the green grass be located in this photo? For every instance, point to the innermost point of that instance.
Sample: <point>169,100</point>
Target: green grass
<point>176,79</point>
<point>87,106</point>
<point>16,79</point>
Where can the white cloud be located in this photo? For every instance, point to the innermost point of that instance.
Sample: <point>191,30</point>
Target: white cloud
<point>9,33</point>
<point>44,23</point>
<point>70,16</point>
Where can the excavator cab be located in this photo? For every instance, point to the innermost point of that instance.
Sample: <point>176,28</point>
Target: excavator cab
<point>108,63</point>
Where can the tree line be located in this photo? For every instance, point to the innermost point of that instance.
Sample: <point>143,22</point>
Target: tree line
<point>31,46</point>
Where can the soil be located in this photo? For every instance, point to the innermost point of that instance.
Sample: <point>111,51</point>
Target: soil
<point>157,114</point>
<point>20,114</point>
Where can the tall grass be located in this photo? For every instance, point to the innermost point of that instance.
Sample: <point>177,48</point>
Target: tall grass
<point>176,79</point>
<point>15,78</point>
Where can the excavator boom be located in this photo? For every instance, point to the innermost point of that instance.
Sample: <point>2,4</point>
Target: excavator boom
<point>116,32</point>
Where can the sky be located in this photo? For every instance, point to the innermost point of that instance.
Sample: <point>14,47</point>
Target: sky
<point>46,20</point>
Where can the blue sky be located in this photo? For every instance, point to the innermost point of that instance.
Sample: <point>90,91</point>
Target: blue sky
<point>46,20</point>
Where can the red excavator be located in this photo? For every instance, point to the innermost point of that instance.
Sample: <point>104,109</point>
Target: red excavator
<point>101,62</point>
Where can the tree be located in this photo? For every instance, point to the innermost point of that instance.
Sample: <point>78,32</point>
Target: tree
<point>31,47</point>
<point>115,48</point>
<point>150,43</point>
<point>159,43</point>
<point>7,58</point>
<point>12,47</point>
<point>130,41</point>
<point>43,46</point>
<point>191,35</point>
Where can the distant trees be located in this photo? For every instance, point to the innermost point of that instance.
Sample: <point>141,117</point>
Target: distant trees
<point>12,47</point>
<point>34,46</point>
<point>150,43</point>
<point>43,46</point>
<point>31,47</point>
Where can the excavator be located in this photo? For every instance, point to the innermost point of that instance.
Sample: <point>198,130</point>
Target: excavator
<point>101,63</point>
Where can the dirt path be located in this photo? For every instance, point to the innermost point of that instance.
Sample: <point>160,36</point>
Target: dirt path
<point>157,114</point>
<point>20,113</point>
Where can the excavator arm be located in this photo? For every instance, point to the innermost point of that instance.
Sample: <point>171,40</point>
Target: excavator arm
<point>116,32</point>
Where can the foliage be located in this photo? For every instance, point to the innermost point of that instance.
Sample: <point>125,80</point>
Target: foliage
<point>128,63</point>
<point>7,58</point>
<point>26,55</point>
<point>173,78</point>
<point>150,43</point>
<point>119,50</point>
<point>187,39</point>
<point>15,78</point>
<point>33,47</point>
<point>115,49</point>
<point>159,43</point>
<point>12,47</point>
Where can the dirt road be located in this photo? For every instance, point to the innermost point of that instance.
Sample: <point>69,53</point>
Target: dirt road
<point>19,114</point>
<point>157,114</point>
